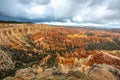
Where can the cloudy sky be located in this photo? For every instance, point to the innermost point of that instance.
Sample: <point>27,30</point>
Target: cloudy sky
<point>100,13</point>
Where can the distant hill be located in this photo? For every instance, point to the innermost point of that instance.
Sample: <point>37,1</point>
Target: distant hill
<point>3,21</point>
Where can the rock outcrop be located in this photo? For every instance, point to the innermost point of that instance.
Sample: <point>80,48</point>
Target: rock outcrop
<point>104,72</point>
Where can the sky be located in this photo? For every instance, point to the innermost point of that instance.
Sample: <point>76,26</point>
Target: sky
<point>96,13</point>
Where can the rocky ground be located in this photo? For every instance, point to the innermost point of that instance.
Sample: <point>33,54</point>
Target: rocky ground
<point>95,72</point>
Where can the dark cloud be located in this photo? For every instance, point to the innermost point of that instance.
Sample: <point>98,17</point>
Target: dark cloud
<point>96,2</point>
<point>40,2</point>
<point>74,11</point>
<point>114,5</point>
<point>11,8</point>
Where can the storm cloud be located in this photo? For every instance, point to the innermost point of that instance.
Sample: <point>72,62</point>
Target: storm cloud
<point>98,12</point>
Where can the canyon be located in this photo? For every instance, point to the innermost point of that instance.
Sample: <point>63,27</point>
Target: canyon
<point>59,52</point>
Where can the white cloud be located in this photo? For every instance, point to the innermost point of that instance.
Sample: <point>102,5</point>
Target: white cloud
<point>35,11</point>
<point>89,12</point>
<point>78,19</point>
<point>75,24</point>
